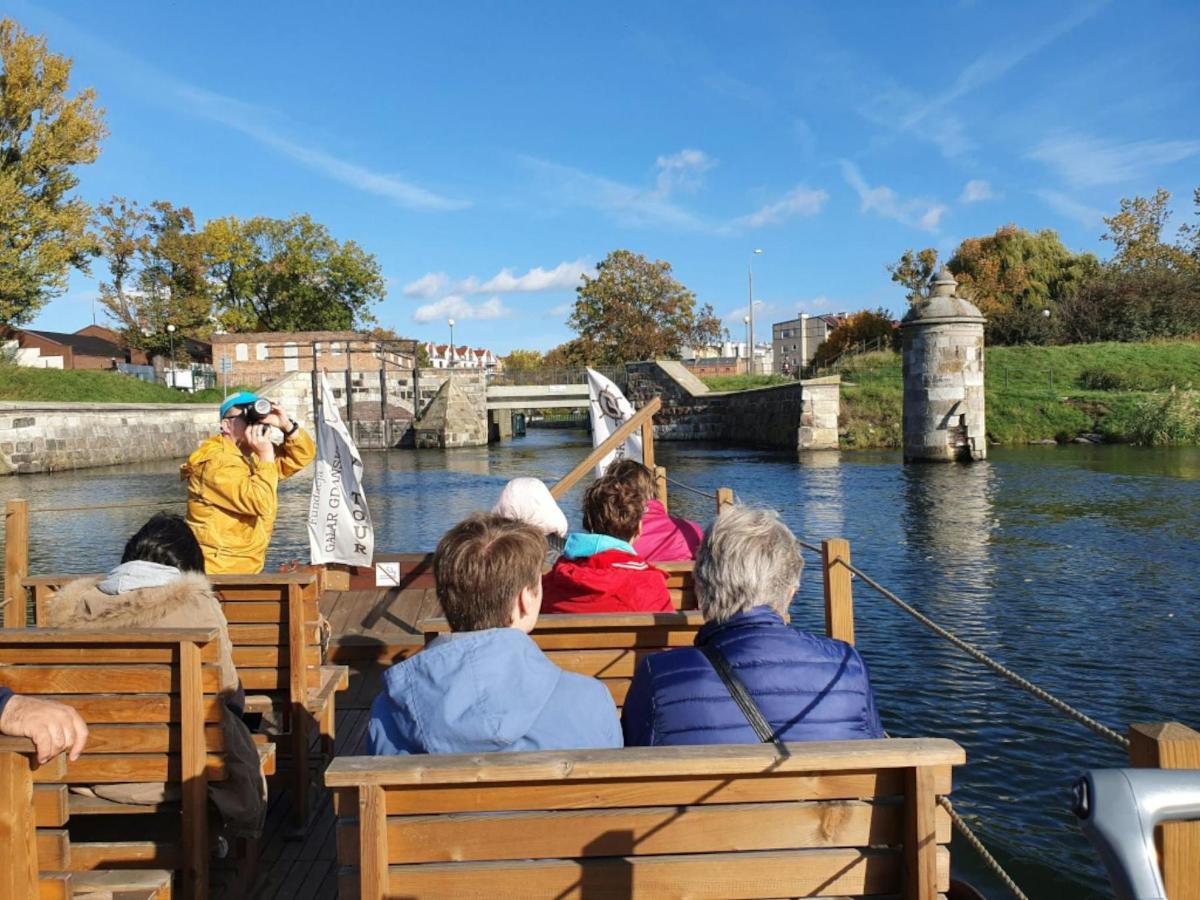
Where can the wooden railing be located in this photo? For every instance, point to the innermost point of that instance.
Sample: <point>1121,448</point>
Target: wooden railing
<point>642,420</point>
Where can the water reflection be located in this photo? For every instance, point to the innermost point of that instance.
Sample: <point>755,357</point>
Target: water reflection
<point>1076,566</point>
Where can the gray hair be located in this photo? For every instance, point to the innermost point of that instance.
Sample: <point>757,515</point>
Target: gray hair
<point>748,558</point>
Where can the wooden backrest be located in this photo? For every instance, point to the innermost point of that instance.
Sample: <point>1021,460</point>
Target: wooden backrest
<point>273,629</point>
<point>272,624</point>
<point>680,585</point>
<point>20,818</point>
<point>849,818</point>
<point>607,646</point>
<point>151,702</point>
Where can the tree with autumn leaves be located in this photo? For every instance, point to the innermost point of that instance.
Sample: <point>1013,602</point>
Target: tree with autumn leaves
<point>1032,289</point>
<point>45,135</point>
<point>633,309</point>
<point>261,274</point>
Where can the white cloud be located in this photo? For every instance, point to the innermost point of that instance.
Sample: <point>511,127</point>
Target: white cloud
<point>1085,161</point>
<point>977,190</point>
<point>564,276</point>
<point>681,171</point>
<point>917,212</point>
<point>800,201</point>
<point>249,120</point>
<point>1069,208</point>
<point>428,285</point>
<point>738,313</point>
<point>459,307</point>
<point>904,111</point>
<point>626,204</point>
<point>560,311</point>
<point>638,207</point>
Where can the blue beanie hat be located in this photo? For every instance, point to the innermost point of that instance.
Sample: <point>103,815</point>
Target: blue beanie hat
<point>242,398</point>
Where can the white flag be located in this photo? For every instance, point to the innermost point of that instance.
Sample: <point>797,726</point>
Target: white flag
<point>339,524</point>
<point>610,410</point>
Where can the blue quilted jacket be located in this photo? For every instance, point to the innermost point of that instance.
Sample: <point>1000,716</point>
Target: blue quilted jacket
<point>809,688</point>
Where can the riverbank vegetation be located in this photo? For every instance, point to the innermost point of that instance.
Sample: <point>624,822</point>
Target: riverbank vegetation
<point>743,382</point>
<point>18,383</point>
<point>1146,393</point>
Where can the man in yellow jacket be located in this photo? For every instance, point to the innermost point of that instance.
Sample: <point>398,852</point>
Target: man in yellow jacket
<point>232,480</point>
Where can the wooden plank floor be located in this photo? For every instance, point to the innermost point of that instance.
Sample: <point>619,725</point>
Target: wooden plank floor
<point>370,629</point>
<point>377,624</point>
<point>306,869</point>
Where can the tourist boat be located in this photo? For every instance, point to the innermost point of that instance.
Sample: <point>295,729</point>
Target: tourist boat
<point>860,818</point>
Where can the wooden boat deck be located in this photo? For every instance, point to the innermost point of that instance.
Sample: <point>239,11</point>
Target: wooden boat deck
<point>376,625</point>
<point>306,869</point>
<point>371,627</point>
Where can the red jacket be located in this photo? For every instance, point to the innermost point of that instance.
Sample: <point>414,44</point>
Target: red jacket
<point>667,538</point>
<point>609,581</point>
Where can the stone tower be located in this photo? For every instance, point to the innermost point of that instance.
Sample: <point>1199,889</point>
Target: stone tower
<point>943,377</point>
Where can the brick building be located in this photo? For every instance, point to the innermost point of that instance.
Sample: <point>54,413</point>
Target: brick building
<point>258,357</point>
<point>93,347</point>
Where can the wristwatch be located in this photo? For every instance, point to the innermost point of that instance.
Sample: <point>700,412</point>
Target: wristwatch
<point>295,427</point>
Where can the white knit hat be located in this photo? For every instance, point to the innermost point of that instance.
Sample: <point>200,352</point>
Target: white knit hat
<point>528,500</point>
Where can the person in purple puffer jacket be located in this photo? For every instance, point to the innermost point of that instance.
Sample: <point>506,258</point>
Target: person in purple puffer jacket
<point>807,688</point>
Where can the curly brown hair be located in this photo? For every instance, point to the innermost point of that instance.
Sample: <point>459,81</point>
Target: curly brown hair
<point>613,507</point>
<point>634,472</point>
<point>480,567</point>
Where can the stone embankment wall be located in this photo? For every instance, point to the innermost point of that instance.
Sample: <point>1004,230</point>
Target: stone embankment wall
<point>798,416</point>
<point>51,437</point>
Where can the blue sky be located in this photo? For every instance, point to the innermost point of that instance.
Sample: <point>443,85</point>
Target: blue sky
<point>488,153</point>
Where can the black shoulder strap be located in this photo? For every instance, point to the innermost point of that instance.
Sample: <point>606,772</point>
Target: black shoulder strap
<point>741,696</point>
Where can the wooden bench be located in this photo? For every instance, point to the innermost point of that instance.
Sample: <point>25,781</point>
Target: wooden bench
<point>848,818</point>
<point>607,646</point>
<point>29,817</point>
<point>151,701</point>
<point>680,584</point>
<point>273,626</point>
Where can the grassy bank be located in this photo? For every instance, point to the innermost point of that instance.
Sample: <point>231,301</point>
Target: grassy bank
<point>18,383</point>
<point>743,382</point>
<point>1140,393</point>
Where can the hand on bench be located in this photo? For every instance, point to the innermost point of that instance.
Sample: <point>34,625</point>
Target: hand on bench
<point>53,727</point>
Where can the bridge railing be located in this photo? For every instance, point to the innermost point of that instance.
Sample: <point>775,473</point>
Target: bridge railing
<point>558,376</point>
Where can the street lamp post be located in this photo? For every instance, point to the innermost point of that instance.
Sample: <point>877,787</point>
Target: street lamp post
<point>746,322</point>
<point>451,363</point>
<point>171,337</point>
<point>750,312</point>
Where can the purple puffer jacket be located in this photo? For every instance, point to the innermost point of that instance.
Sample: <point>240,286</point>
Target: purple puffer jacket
<point>808,688</point>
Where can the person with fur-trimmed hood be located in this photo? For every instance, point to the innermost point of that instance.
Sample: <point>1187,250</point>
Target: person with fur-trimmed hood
<point>160,583</point>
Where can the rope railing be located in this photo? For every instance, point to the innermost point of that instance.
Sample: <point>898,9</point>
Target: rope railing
<point>147,505</point>
<point>974,652</point>
<point>971,838</point>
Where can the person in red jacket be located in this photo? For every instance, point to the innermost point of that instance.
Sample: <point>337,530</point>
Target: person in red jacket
<point>600,572</point>
<point>664,538</point>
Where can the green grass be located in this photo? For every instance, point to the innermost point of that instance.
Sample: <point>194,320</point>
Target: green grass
<point>82,386</point>
<point>1048,393</point>
<point>743,382</point>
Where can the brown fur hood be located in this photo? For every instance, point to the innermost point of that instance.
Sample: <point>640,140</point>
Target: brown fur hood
<point>184,602</point>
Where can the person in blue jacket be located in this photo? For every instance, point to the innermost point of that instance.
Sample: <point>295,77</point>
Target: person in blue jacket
<point>808,688</point>
<point>486,685</point>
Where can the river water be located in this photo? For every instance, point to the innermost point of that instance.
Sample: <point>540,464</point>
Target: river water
<point>1076,566</point>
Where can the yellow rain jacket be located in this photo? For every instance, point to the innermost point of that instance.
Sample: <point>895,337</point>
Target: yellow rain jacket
<point>232,500</point>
